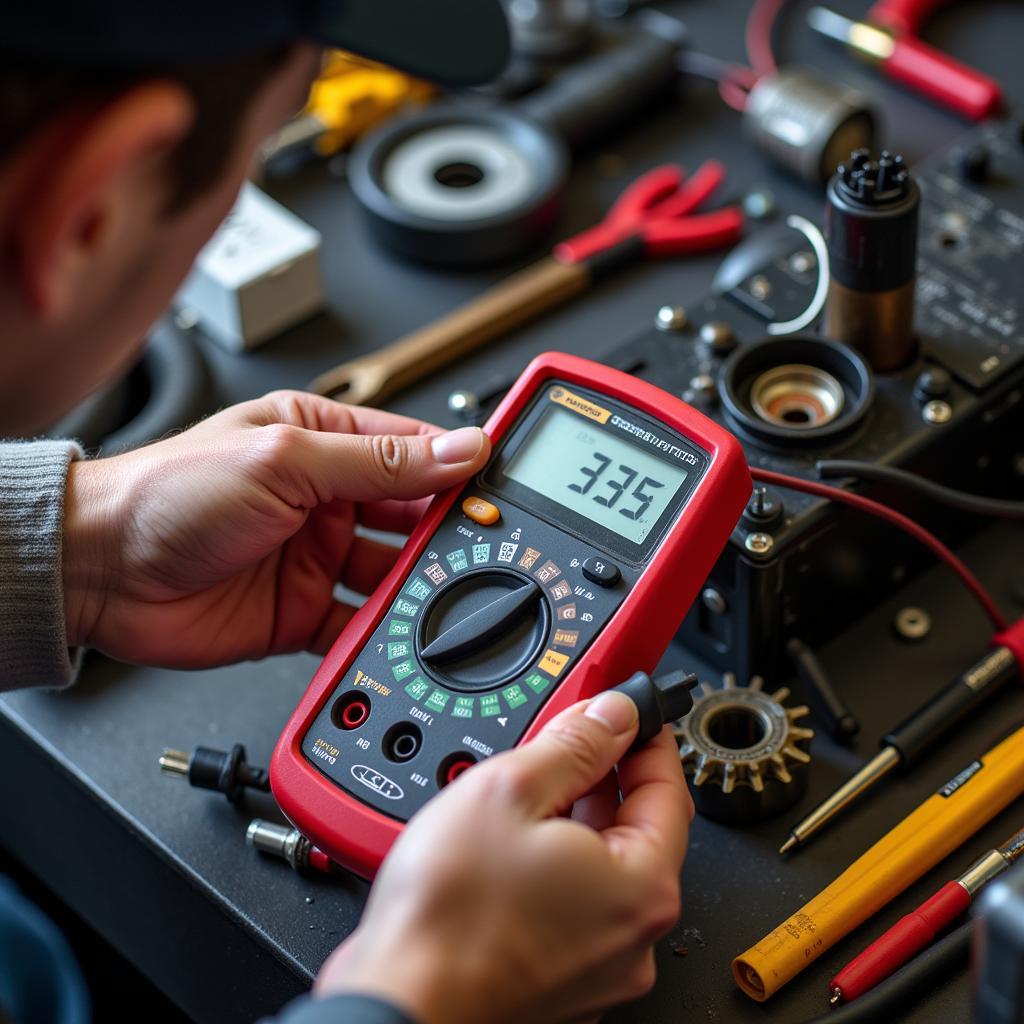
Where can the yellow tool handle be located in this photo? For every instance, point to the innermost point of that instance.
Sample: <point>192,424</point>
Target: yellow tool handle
<point>933,831</point>
<point>374,377</point>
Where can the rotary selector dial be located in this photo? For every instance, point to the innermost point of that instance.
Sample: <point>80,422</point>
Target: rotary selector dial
<point>483,629</point>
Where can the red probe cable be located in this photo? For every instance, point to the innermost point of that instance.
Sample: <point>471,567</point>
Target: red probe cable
<point>913,933</point>
<point>905,523</point>
<point>739,80</point>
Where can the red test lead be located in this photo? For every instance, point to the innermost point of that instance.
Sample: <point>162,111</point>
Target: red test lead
<point>905,939</point>
<point>913,63</point>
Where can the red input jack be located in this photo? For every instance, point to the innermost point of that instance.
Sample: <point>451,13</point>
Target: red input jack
<point>351,711</point>
<point>452,767</point>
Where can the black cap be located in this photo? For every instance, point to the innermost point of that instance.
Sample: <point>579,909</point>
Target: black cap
<point>454,42</point>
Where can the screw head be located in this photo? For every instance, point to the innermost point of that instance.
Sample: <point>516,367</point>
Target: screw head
<point>714,601</point>
<point>760,287</point>
<point>759,204</point>
<point>759,543</point>
<point>912,623</point>
<point>671,318</point>
<point>803,262</point>
<point>718,338</point>
<point>937,412</point>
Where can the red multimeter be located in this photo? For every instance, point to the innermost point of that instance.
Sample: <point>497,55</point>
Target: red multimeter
<point>560,569</point>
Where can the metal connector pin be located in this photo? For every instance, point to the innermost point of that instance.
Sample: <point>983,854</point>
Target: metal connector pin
<point>174,762</point>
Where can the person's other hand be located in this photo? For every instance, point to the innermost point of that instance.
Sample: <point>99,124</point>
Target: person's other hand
<point>492,907</point>
<point>225,542</point>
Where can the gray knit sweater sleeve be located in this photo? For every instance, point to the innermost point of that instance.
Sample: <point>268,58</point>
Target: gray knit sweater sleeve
<point>33,638</point>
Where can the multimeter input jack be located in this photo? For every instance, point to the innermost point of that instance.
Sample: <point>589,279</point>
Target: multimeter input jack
<point>351,711</point>
<point>452,767</point>
<point>402,742</point>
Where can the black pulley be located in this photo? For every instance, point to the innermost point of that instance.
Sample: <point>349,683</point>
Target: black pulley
<point>460,185</point>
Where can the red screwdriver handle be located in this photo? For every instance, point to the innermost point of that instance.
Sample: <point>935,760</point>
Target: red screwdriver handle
<point>932,73</point>
<point>903,941</point>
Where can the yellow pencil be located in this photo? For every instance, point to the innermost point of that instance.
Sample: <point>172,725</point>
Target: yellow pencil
<point>918,843</point>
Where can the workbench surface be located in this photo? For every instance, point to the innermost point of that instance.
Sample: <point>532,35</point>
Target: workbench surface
<point>162,870</point>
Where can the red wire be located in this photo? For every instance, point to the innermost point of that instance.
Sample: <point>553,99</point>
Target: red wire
<point>875,508</point>
<point>739,80</point>
<point>760,24</point>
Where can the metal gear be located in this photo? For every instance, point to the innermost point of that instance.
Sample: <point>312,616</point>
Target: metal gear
<point>745,757</point>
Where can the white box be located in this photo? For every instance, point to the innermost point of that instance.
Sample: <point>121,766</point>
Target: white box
<point>257,276</point>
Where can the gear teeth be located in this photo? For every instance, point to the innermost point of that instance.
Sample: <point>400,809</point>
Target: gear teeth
<point>750,778</point>
<point>781,771</point>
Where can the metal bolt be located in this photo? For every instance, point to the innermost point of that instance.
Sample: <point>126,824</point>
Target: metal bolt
<point>937,412</point>
<point>802,262</point>
<point>760,287</point>
<point>717,337</point>
<point>759,205</point>
<point>703,383</point>
<point>714,602</point>
<point>912,623</point>
<point>671,318</point>
<point>463,404</point>
<point>759,543</point>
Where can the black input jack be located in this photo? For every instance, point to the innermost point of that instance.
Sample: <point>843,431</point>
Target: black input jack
<point>351,711</point>
<point>402,742</point>
<point>453,766</point>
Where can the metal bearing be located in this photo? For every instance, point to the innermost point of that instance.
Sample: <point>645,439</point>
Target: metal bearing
<point>745,757</point>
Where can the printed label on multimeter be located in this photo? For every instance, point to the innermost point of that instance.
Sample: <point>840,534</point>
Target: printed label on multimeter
<point>492,617</point>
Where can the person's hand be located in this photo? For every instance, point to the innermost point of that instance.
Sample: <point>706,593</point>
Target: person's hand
<point>225,542</point>
<point>493,908</point>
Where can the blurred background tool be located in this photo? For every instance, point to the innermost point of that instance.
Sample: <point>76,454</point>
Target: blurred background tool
<point>935,829</point>
<point>920,731</point>
<point>798,118</point>
<point>466,183</point>
<point>909,936</point>
<point>889,38</point>
<point>350,97</point>
<point>653,218</point>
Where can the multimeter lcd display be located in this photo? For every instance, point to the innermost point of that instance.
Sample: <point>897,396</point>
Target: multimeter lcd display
<point>603,478</point>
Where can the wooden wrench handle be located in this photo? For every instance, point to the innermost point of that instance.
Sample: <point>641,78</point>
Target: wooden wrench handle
<point>378,375</point>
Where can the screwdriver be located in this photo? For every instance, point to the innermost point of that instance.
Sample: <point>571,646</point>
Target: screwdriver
<point>914,63</point>
<point>905,939</point>
<point>922,729</point>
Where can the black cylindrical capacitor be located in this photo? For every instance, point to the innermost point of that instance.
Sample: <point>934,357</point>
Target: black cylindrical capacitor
<point>871,227</point>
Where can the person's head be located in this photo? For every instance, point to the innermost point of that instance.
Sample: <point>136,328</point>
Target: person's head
<point>126,130</point>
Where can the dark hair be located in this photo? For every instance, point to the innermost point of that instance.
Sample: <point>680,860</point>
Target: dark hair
<point>30,95</point>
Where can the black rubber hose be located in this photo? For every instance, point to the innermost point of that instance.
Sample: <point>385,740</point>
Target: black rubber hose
<point>831,468</point>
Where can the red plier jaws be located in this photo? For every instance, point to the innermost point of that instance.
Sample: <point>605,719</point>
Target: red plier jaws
<point>656,210</point>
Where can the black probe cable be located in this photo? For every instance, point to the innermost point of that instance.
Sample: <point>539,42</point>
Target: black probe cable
<point>831,468</point>
<point>947,955</point>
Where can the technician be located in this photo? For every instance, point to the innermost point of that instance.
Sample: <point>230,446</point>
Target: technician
<point>126,130</point>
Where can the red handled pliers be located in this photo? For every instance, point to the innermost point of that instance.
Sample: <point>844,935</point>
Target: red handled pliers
<point>654,217</point>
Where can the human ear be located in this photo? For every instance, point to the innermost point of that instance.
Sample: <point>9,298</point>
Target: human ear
<point>107,167</point>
